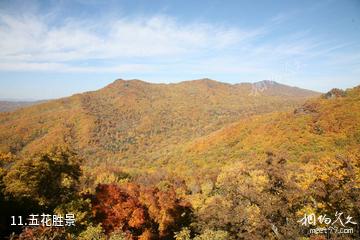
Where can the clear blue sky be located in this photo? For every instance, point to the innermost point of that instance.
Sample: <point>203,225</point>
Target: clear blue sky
<point>50,49</point>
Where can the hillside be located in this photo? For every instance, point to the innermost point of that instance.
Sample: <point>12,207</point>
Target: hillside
<point>133,119</point>
<point>321,130</point>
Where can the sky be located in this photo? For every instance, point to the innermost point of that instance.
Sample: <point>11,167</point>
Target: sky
<point>52,49</point>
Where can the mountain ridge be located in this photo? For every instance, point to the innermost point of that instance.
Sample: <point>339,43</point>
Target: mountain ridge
<point>132,119</point>
<point>205,80</point>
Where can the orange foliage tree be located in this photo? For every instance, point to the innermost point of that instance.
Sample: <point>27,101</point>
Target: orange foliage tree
<point>144,213</point>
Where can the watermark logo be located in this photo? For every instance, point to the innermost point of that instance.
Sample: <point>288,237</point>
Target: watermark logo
<point>323,224</point>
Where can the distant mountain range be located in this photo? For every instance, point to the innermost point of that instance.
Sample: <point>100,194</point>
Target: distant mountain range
<point>8,106</point>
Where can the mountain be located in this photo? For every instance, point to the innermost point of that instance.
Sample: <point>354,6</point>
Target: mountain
<point>8,106</point>
<point>134,122</point>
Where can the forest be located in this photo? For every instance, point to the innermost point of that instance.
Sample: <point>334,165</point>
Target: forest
<point>197,160</point>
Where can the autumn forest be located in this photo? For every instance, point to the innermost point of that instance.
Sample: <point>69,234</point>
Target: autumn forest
<point>200,160</point>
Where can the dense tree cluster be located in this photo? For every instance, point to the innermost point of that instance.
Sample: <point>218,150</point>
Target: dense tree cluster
<point>50,182</point>
<point>253,203</point>
<point>147,213</point>
<point>263,201</point>
<point>254,179</point>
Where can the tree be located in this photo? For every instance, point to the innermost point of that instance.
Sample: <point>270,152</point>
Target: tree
<point>5,204</point>
<point>37,184</point>
<point>50,178</point>
<point>213,235</point>
<point>92,233</point>
<point>184,234</point>
<point>43,233</point>
<point>336,188</point>
<point>146,213</point>
<point>253,202</point>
